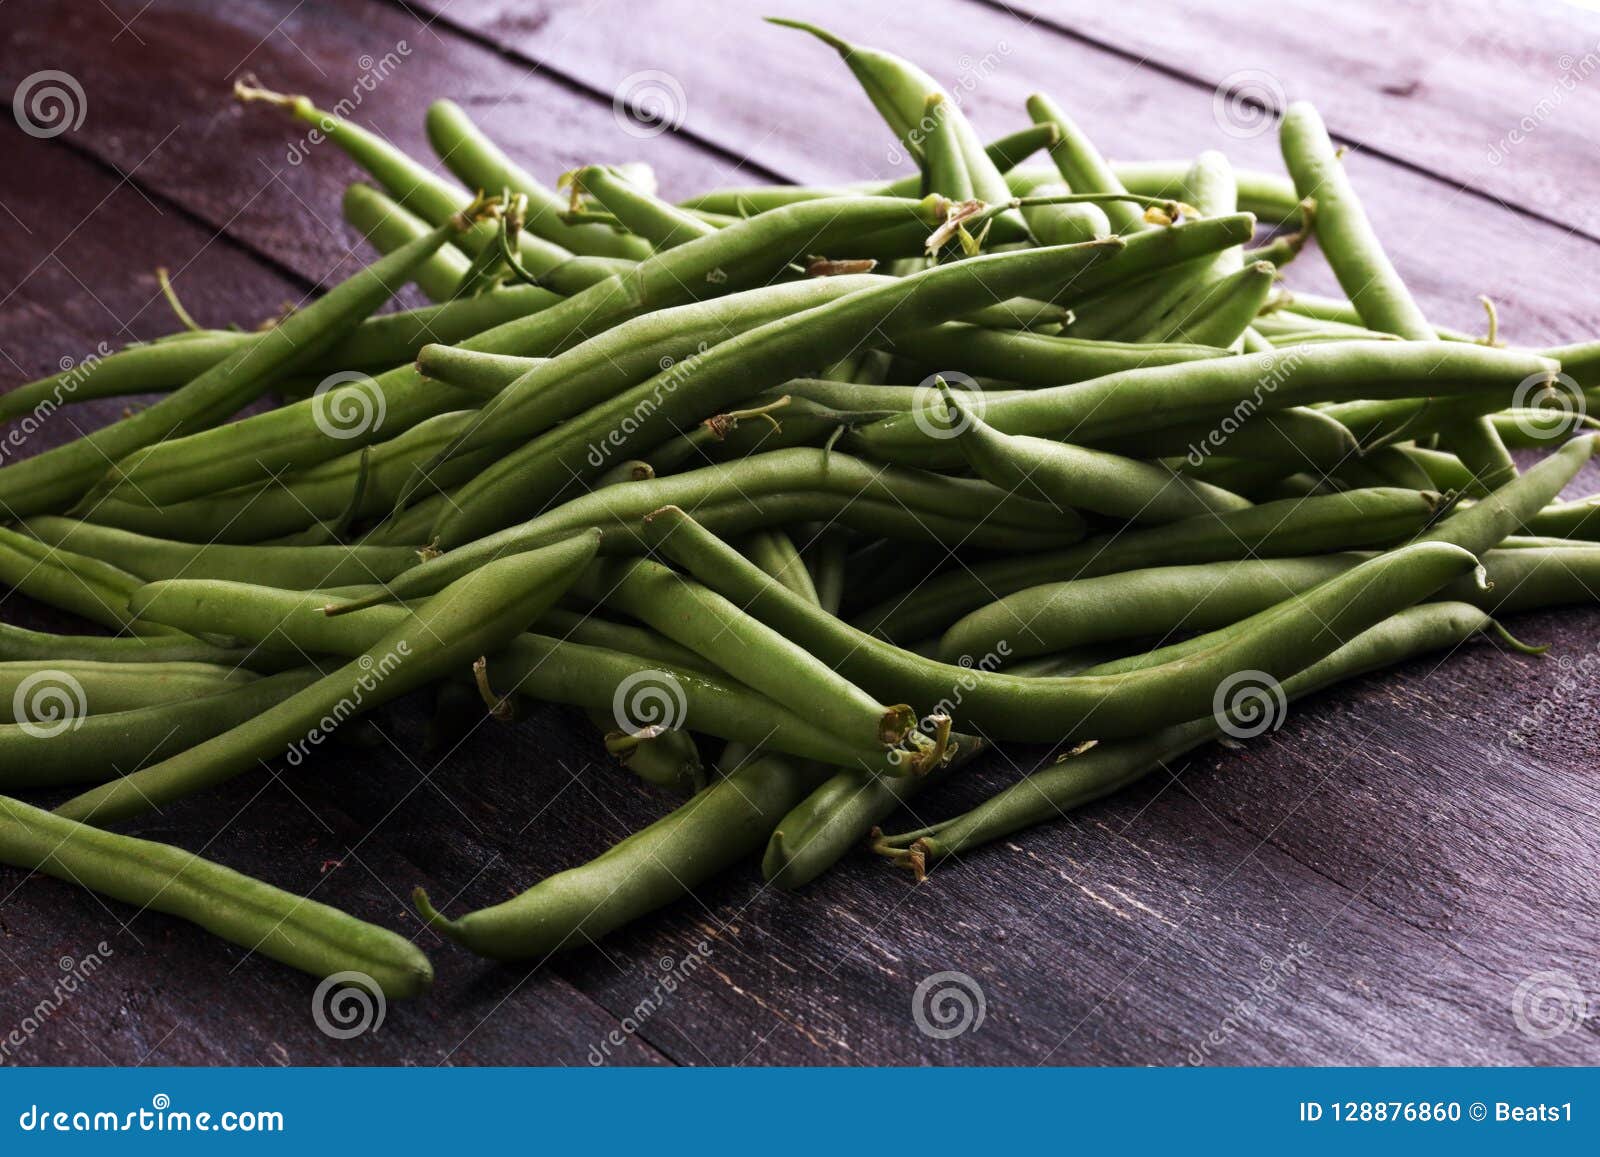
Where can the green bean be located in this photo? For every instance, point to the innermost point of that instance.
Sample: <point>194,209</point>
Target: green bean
<point>1388,421</point>
<point>1156,602</point>
<point>253,514</point>
<point>1340,311</point>
<point>774,552</point>
<point>415,186</point>
<point>838,816</point>
<point>293,930</point>
<point>665,342</point>
<point>825,560</point>
<point>1219,313</point>
<point>1297,436</point>
<point>1060,224</point>
<point>479,164</point>
<point>1506,510</point>
<point>1127,402</point>
<point>647,414</point>
<point>1269,196</point>
<point>753,490</point>
<point>55,478</point>
<point>66,747</point>
<point>1081,166</point>
<point>1369,278</point>
<point>482,375</point>
<point>1034,359</point>
<point>1345,235</point>
<point>917,108</point>
<point>468,618</point>
<point>1108,767</point>
<point>593,631</point>
<point>298,567</point>
<point>71,688</point>
<point>88,587</point>
<point>20,644</point>
<point>1069,476</point>
<point>714,830</point>
<point>386,226</point>
<point>1343,521</point>
<point>663,225</point>
<point>694,617</point>
<point>595,678</point>
<point>1279,642</point>
<point>1285,323</point>
<point>668,759</point>
<point>1445,471</point>
<point>1579,518</point>
<point>1533,578</point>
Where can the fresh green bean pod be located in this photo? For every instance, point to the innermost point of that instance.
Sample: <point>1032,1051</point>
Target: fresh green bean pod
<point>18,644</point>
<point>467,619</point>
<point>293,930</point>
<point>1034,359</point>
<point>88,587</point>
<point>1279,642</point>
<point>714,830</point>
<point>296,567</point>
<point>1344,521</point>
<point>65,749</point>
<point>386,225</point>
<point>67,689</point>
<point>1107,767</point>
<point>662,224</point>
<point>1125,403</point>
<point>774,552</point>
<point>595,678</point>
<point>1154,602</point>
<point>1579,518</point>
<point>649,413</point>
<point>758,489</point>
<point>478,163</point>
<point>1068,476</point>
<point>1081,166</point>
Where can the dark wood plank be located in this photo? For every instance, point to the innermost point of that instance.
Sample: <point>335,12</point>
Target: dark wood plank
<point>1493,96</point>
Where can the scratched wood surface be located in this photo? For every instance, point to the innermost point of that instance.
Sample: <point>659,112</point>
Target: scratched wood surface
<point>1374,883</point>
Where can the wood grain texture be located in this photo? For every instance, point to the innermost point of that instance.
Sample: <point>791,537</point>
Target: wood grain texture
<point>1369,884</point>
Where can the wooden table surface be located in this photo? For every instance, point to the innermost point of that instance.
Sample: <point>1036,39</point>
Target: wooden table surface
<point>1374,883</point>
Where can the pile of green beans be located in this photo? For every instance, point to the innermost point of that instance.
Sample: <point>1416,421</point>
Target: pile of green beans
<point>856,483</point>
